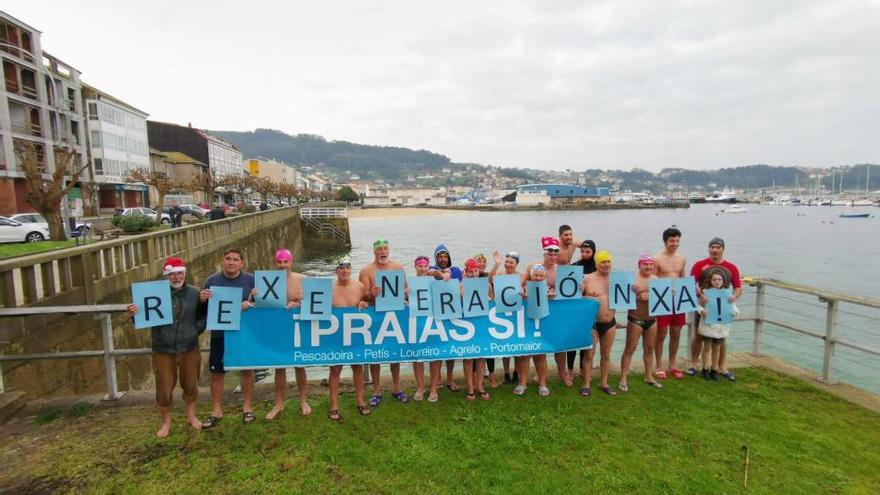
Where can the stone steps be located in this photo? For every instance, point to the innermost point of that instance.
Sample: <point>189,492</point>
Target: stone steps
<point>10,403</point>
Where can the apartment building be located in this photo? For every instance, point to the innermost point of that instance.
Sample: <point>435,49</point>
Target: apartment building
<point>40,103</point>
<point>278,172</point>
<point>220,155</point>
<point>117,144</point>
<point>398,196</point>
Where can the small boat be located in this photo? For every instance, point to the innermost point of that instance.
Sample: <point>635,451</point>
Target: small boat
<point>734,209</point>
<point>725,196</point>
<point>855,215</point>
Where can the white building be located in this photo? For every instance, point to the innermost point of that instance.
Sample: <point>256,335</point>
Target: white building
<point>40,103</point>
<point>117,145</point>
<point>223,156</point>
<point>404,196</point>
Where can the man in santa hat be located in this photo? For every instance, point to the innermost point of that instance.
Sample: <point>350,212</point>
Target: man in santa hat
<point>176,356</point>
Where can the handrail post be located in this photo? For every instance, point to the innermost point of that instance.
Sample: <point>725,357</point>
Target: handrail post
<point>2,386</point>
<point>759,319</point>
<point>830,340</point>
<point>109,358</point>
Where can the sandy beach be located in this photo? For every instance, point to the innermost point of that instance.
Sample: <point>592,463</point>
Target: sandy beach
<point>399,212</point>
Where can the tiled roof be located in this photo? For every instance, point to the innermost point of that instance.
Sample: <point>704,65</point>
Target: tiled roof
<point>177,157</point>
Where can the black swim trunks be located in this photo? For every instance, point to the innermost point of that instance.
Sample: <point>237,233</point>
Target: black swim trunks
<point>603,328</point>
<point>215,357</point>
<point>646,323</point>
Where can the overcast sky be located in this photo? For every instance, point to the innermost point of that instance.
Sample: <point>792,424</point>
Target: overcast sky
<point>543,84</point>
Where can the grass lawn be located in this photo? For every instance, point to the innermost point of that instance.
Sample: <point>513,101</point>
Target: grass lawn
<point>11,250</point>
<point>686,438</point>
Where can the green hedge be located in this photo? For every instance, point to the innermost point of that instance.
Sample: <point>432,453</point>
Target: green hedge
<point>132,223</point>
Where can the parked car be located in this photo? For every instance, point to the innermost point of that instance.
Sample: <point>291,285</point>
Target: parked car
<point>12,231</point>
<point>166,218</point>
<point>195,209</point>
<point>37,218</point>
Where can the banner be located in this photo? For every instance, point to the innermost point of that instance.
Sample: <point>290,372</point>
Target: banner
<point>660,297</point>
<point>622,296</point>
<point>719,308</point>
<point>391,284</point>
<point>276,338</point>
<point>271,288</point>
<point>153,300</point>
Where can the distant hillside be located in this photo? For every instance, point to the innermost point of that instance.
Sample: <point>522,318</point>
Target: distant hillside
<point>395,164</point>
<point>369,162</point>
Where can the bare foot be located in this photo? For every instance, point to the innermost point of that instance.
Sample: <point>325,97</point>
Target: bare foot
<point>492,382</point>
<point>194,422</point>
<point>164,431</point>
<point>566,379</point>
<point>275,410</point>
<point>305,409</point>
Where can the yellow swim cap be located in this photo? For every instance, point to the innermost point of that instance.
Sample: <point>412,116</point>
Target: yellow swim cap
<point>603,255</point>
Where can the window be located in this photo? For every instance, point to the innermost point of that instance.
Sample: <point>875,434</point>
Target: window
<point>74,129</point>
<point>93,110</point>
<point>99,166</point>
<point>96,139</point>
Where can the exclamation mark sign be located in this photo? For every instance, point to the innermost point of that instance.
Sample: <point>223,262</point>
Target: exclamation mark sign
<point>718,305</point>
<point>537,327</point>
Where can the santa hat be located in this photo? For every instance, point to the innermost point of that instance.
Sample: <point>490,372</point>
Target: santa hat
<point>173,265</point>
<point>549,242</point>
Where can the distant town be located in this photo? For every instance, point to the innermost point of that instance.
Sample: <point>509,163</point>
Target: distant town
<point>113,158</point>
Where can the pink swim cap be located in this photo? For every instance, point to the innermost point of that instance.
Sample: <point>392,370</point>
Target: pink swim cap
<point>283,255</point>
<point>645,258</point>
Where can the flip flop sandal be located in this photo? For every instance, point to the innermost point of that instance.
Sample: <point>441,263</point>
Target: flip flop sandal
<point>375,400</point>
<point>211,422</point>
<point>433,398</point>
<point>519,389</point>
<point>676,373</point>
<point>691,371</point>
<point>543,391</point>
<point>484,395</point>
<point>585,391</point>
<point>248,417</point>
<point>334,415</point>
<point>730,376</point>
<point>608,390</point>
<point>660,374</point>
<point>364,410</point>
<point>452,387</point>
<point>654,384</point>
<point>418,396</point>
<point>401,396</point>
<point>624,387</point>
<point>470,396</point>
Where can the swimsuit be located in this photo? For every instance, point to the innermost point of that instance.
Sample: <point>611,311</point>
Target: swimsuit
<point>603,327</point>
<point>646,323</point>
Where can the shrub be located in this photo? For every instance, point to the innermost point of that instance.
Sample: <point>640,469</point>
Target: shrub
<point>247,209</point>
<point>132,223</point>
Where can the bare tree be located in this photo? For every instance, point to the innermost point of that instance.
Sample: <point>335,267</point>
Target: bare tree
<point>208,181</point>
<point>287,191</point>
<point>265,187</point>
<point>161,181</point>
<point>45,192</point>
<point>240,185</point>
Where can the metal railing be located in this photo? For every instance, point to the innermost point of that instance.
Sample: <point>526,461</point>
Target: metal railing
<point>323,212</point>
<point>86,274</point>
<point>761,319</point>
<point>327,228</point>
<point>108,351</point>
<point>830,334</point>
